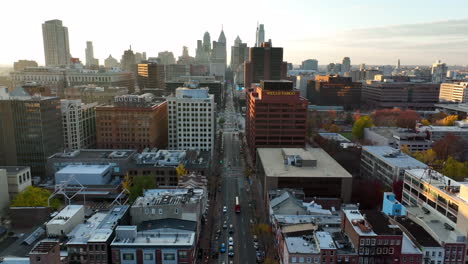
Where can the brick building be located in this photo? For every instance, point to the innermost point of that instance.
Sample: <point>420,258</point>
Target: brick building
<point>134,122</point>
<point>276,116</point>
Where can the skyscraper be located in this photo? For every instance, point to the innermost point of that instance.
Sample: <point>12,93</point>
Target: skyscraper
<point>128,61</point>
<point>79,124</point>
<point>346,65</point>
<point>265,63</point>
<point>56,48</point>
<point>311,65</point>
<point>90,60</point>
<point>166,57</point>
<point>219,56</point>
<point>439,72</point>
<point>151,75</point>
<point>30,131</point>
<point>111,62</point>
<point>260,36</point>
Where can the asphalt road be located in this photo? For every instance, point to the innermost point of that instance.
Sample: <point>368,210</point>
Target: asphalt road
<point>234,184</point>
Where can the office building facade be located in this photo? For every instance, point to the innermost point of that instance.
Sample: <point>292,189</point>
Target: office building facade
<point>56,47</point>
<point>265,63</point>
<point>79,124</point>
<point>335,90</point>
<point>454,92</point>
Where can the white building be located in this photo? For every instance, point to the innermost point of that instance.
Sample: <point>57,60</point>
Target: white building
<point>386,164</point>
<point>301,83</point>
<point>111,62</point>
<point>4,197</point>
<point>79,124</point>
<point>454,92</point>
<point>85,174</point>
<point>191,119</point>
<point>90,60</point>
<point>19,178</point>
<point>56,48</point>
<point>64,222</point>
<point>439,72</point>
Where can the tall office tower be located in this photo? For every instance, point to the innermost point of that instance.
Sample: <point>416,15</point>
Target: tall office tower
<point>239,54</point>
<point>128,61</point>
<point>265,63</point>
<point>30,131</point>
<point>454,92</point>
<point>335,90</point>
<point>151,75</point>
<point>56,48</point>
<point>23,64</point>
<point>132,122</point>
<point>203,51</point>
<point>260,36</point>
<point>362,66</point>
<point>140,57</point>
<point>166,57</point>
<point>311,65</point>
<point>191,119</point>
<point>346,65</point>
<point>218,58</point>
<point>185,59</point>
<point>207,42</point>
<point>439,72</point>
<point>90,60</point>
<point>111,62</point>
<point>79,124</point>
<point>276,116</point>
<point>398,64</point>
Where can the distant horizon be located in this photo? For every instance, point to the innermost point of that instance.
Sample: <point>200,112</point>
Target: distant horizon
<point>417,32</point>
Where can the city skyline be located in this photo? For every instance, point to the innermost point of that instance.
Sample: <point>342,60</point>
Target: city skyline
<point>417,34</point>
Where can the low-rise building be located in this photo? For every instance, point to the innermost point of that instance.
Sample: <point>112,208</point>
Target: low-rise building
<point>46,251</point>
<point>391,206</point>
<point>397,138</point>
<point>94,94</point>
<point>343,141</point>
<point>153,246</point>
<point>386,164</point>
<point>85,174</point>
<point>64,222</point>
<point>19,178</point>
<point>313,169</point>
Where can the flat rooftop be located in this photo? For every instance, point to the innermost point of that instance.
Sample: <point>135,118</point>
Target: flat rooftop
<point>325,240</point>
<point>455,107</point>
<point>381,223</point>
<point>84,169</point>
<point>441,182</point>
<point>418,232</point>
<point>408,247</point>
<point>299,245</point>
<point>168,197</point>
<point>93,154</point>
<point>272,160</point>
<point>44,246</point>
<point>394,157</point>
<point>173,238</point>
<point>444,129</point>
<point>66,213</point>
<point>335,136</point>
<point>13,169</point>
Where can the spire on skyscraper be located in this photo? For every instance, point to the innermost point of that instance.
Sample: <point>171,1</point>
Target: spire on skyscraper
<point>222,37</point>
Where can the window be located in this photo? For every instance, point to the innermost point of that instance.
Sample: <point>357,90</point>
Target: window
<point>293,259</point>
<point>148,256</point>
<point>385,250</point>
<point>379,251</point>
<point>301,260</point>
<point>128,256</point>
<point>176,211</point>
<point>160,210</point>
<point>309,260</point>
<point>38,259</point>
<point>373,242</point>
<point>361,242</point>
<point>169,256</point>
<point>367,241</point>
<point>183,254</point>
<point>390,251</point>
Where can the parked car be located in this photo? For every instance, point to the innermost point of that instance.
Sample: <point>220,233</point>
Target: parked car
<point>222,248</point>
<point>224,209</point>
<point>231,241</point>
<point>231,251</point>
<point>225,225</point>
<point>231,229</point>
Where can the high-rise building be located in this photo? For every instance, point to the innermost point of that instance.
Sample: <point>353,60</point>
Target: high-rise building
<point>22,64</point>
<point>310,65</point>
<point>140,57</point>
<point>111,62</point>
<point>128,61</point>
<point>219,56</point>
<point>185,59</point>
<point>132,122</point>
<point>454,92</point>
<point>79,124</point>
<point>90,60</point>
<point>346,65</point>
<point>30,131</point>
<point>260,36</point>
<point>150,75</point>
<point>276,116</point>
<point>439,72</point>
<point>191,119</point>
<point>335,90</point>
<point>265,63</point>
<point>203,51</point>
<point>239,54</point>
<point>56,48</point>
<point>166,57</point>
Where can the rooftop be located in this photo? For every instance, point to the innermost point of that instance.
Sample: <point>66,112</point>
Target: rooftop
<point>455,107</point>
<point>66,213</point>
<point>439,181</point>
<point>444,129</point>
<point>168,223</point>
<point>324,240</point>
<point>300,245</point>
<point>335,136</point>
<point>84,169</point>
<point>394,157</point>
<point>381,223</point>
<point>93,154</point>
<point>126,236</point>
<point>359,223</point>
<point>168,197</point>
<point>13,169</point>
<point>273,161</point>
<point>418,232</point>
<point>44,246</point>
<point>408,247</point>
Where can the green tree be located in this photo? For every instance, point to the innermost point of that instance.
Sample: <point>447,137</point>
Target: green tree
<point>221,122</point>
<point>427,156</point>
<point>181,171</point>
<point>360,124</point>
<point>35,197</point>
<point>140,183</point>
<point>455,169</point>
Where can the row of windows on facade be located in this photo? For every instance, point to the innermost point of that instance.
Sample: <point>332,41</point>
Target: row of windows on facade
<point>150,256</point>
<point>189,104</point>
<point>126,135</point>
<point>128,126</point>
<point>181,137</point>
<point>189,114</point>
<point>160,211</point>
<point>372,242</point>
<point>124,129</point>
<point>317,259</point>
<point>24,177</point>
<point>378,251</point>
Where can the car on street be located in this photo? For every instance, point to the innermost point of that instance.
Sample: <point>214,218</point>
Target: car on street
<point>231,229</point>
<point>255,245</point>
<point>231,241</point>
<point>225,225</point>
<point>224,209</point>
<point>231,251</point>
<point>222,248</point>
<point>255,238</point>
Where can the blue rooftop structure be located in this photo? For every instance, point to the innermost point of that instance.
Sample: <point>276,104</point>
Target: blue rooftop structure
<point>392,207</point>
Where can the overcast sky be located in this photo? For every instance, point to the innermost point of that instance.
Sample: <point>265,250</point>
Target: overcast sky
<point>368,31</point>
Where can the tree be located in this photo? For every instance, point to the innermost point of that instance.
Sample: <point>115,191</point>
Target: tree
<point>140,183</point>
<point>405,149</point>
<point>425,122</point>
<point>447,121</point>
<point>455,169</point>
<point>407,119</point>
<point>349,118</point>
<point>126,183</point>
<point>221,122</point>
<point>181,171</point>
<point>333,128</point>
<point>450,145</point>
<point>427,156</point>
<point>436,117</point>
<point>35,197</point>
<point>359,125</point>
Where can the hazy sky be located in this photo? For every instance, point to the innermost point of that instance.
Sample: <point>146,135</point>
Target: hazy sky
<point>368,31</point>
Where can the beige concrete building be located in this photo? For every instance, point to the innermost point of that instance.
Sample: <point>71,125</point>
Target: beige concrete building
<point>312,169</point>
<point>4,197</point>
<point>454,92</point>
<point>66,220</point>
